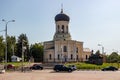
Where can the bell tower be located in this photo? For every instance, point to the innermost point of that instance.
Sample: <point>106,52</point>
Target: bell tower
<point>62,27</point>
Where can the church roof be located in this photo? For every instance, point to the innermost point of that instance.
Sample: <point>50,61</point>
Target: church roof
<point>62,17</point>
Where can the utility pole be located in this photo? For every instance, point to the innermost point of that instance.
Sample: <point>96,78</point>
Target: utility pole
<point>6,23</point>
<point>23,49</point>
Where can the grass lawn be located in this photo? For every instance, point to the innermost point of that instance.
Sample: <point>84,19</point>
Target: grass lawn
<point>17,64</point>
<point>80,65</point>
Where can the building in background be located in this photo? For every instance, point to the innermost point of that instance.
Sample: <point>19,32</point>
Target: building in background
<point>62,48</point>
<point>15,58</point>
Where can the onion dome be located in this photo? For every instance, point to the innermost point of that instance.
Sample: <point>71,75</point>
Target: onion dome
<point>62,17</point>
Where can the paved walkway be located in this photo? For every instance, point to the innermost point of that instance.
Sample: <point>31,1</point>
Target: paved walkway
<point>51,75</point>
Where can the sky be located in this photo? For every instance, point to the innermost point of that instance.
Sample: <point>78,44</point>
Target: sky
<point>91,21</point>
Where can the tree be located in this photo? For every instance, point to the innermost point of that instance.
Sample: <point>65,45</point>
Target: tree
<point>23,43</point>
<point>97,52</point>
<point>36,51</point>
<point>2,48</point>
<point>96,58</point>
<point>114,57</point>
<point>11,45</point>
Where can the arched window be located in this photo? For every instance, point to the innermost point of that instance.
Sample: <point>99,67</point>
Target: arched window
<point>65,48</point>
<point>58,28</point>
<point>62,29</point>
<point>77,50</point>
<point>67,29</point>
<point>50,57</point>
<point>77,57</point>
<point>86,57</point>
<point>58,57</point>
<point>71,56</point>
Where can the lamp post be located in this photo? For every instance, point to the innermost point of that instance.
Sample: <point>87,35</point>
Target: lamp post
<point>6,23</point>
<point>103,53</point>
<point>102,48</point>
<point>23,49</point>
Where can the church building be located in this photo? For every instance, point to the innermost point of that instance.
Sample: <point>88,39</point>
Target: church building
<point>62,48</point>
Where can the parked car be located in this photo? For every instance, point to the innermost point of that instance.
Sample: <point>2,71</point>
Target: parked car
<point>36,67</point>
<point>10,66</point>
<point>2,70</point>
<point>110,68</point>
<point>58,68</point>
<point>73,67</point>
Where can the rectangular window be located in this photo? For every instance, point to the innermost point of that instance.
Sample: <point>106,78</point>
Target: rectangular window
<point>50,57</point>
<point>77,50</point>
<point>77,57</point>
<point>71,56</point>
<point>58,57</point>
<point>65,48</point>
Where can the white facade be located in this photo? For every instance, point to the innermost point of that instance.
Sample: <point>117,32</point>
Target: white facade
<point>62,48</point>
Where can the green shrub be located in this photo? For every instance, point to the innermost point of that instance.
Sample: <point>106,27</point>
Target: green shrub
<point>88,66</point>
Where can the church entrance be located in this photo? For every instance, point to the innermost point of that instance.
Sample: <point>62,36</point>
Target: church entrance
<point>65,58</point>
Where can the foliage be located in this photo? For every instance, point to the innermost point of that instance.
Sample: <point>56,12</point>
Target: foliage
<point>114,57</point>
<point>11,41</point>
<point>2,48</point>
<point>96,58</point>
<point>15,47</point>
<point>11,46</point>
<point>97,52</point>
<point>23,43</point>
<point>17,64</point>
<point>36,51</point>
<point>87,66</point>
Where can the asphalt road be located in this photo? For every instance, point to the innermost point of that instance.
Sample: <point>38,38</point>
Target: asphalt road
<point>51,75</point>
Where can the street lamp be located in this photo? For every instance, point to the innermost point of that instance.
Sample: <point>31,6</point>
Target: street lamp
<point>103,53</point>
<point>6,23</point>
<point>23,49</point>
<point>102,48</point>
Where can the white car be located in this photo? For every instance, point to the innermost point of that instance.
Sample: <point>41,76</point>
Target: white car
<point>73,67</point>
<point>2,70</point>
